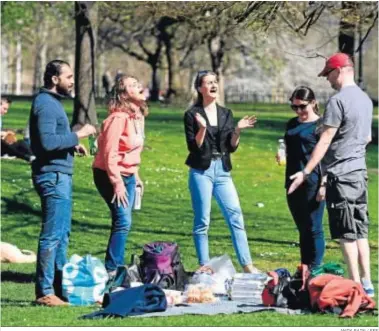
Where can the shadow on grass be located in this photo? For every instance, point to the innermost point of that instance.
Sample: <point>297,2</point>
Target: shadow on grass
<point>212,236</point>
<point>15,207</point>
<point>17,277</point>
<point>16,303</point>
<point>12,206</point>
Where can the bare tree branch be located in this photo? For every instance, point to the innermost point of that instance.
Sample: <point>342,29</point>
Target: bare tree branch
<point>367,33</point>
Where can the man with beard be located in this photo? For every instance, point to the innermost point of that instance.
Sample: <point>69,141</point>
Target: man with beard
<point>53,143</point>
<point>342,148</point>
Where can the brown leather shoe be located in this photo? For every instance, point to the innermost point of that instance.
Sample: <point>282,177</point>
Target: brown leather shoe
<point>50,300</point>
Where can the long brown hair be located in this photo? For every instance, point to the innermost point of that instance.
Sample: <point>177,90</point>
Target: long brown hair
<point>197,97</point>
<point>119,101</point>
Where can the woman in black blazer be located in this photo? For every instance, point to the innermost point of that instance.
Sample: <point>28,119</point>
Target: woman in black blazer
<point>211,137</point>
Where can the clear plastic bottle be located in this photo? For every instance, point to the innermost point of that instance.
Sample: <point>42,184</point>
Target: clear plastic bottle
<point>137,198</point>
<point>282,152</point>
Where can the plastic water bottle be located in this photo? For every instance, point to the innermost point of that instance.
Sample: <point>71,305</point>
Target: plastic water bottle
<point>138,198</point>
<point>282,152</point>
<point>92,142</point>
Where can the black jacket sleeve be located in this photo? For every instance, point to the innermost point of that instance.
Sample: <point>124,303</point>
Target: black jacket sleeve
<point>229,129</point>
<point>191,128</point>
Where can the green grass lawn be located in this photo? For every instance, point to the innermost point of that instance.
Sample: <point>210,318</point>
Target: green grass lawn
<point>167,215</point>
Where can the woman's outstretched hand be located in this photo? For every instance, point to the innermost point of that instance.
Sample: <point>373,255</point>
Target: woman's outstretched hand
<point>247,122</point>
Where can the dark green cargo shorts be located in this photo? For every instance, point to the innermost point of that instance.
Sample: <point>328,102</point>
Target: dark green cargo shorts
<point>346,200</point>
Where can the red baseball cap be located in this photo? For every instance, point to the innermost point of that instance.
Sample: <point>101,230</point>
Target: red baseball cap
<point>337,60</point>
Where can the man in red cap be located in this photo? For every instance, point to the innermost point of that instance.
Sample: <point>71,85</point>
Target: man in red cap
<point>342,150</point>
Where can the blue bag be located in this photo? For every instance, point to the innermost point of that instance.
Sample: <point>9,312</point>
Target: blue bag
<point>133,301</point>
<point>83,280</point>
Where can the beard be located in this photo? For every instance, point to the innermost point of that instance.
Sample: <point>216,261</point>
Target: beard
<point>63,90</point>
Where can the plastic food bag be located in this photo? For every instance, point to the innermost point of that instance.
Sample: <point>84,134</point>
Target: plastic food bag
<point>198,293</point>
<point>83,280</point>
<point>247,287</point>
<point>215,273</point>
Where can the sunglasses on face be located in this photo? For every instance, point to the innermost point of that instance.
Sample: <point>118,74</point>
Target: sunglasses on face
<point>329,72</point>
<point>299,107</point>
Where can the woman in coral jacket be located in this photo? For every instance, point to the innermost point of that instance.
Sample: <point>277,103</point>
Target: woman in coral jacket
<point>116,164</point>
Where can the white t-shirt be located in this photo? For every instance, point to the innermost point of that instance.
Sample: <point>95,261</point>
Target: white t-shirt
<point>212,116</point>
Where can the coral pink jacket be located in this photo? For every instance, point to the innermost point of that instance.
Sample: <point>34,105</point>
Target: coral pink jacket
<point>328,291</point>
<point>119,147</point>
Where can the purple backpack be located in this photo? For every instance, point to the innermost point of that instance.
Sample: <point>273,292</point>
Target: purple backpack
<point>161,264</point>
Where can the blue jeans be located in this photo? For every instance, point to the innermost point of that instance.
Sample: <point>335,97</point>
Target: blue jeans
<point>121,217</point>
<point>307,214</point>
<point>217,182</point>
<point>55,191</point>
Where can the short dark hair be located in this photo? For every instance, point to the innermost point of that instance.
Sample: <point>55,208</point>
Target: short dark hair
<point>53,68</point>
<point>8,100</point>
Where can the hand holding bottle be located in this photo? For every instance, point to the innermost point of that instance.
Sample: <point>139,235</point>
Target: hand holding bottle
<point>85,131</point>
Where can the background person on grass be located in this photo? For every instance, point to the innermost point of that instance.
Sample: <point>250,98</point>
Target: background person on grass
<point>307,203</point>
<point>53,144</point>
<point>342,147</point>
<point>116,164</point>
<point>211,137</point>
<point>10,146</point>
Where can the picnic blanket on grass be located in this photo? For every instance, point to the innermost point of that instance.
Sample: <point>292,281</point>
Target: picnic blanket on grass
<point>221,307</point>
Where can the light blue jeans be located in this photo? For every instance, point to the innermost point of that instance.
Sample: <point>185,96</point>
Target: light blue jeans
<point>217,182</point>
<point>55,191</point>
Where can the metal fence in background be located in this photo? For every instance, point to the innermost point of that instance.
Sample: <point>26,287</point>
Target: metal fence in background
<point>237,95</point>
<point>232,94</point>
<point>29,90</point>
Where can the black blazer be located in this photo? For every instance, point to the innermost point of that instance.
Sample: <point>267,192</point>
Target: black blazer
<point>200,157</point>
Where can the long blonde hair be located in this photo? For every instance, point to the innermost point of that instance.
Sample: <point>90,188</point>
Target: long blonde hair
<point>119,101</point>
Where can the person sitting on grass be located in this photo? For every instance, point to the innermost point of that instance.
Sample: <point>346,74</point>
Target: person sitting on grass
<point>10,146</point>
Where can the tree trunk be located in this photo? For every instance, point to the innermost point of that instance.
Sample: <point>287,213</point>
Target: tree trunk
<point>171,91</point>
<point>85,21</point>
<point>216,48</point>
<point>172,60</point>
<point>346,38</point>
<point>4,64</point>
<point>100,72</point>
<point>153,60</point>
<point>40,59</point>
<point>154,93</point>
<point>18,66</point>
